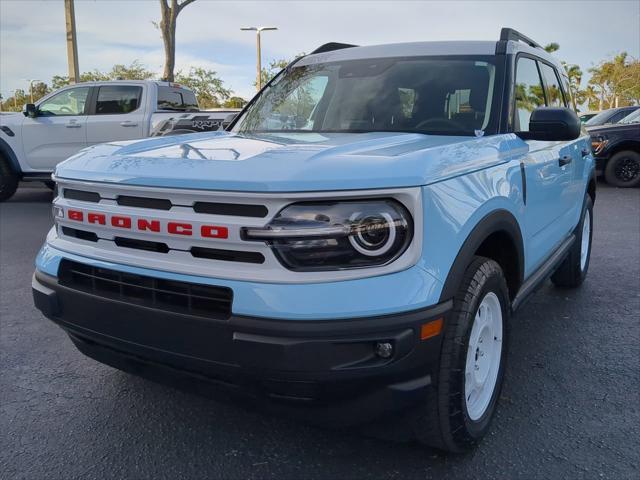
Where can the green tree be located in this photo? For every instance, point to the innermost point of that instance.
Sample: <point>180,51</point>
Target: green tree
<point>616,82</point>
<point>235,102</point>
<point>209,89</point>
<point>271,70</point>
<point>134,71</point>
<point>15,102</point>
<point>552,47</point>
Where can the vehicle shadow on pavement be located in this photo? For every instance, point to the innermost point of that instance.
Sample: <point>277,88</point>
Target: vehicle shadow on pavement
<point>32,193</point>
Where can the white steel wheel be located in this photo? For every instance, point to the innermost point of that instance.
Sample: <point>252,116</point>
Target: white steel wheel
<point>586,240</point>
<point>484,354</point>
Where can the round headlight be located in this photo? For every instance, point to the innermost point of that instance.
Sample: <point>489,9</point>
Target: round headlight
<point>374,234</point>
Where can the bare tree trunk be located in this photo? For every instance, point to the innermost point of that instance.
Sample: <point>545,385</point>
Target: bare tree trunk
<point>167,27</point>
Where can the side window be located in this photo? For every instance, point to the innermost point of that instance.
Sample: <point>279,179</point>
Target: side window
<point>68,102</point>
<point>554,93</point>
<point>118,99</point>
<point>529,94</point>
<point>568,94</point>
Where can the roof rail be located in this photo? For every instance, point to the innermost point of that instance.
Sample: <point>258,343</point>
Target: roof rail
<point>507,34</point>
<point>331,46</point>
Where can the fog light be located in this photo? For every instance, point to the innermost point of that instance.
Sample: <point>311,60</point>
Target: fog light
<point>384,349</point>
<point>58,212</point>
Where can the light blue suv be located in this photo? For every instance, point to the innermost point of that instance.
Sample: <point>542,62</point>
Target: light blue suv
<point>352,247</point>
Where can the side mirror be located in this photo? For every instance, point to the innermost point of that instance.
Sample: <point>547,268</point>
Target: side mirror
<point>227,121</point>
<point>552,124</point>
<point>30,110</point>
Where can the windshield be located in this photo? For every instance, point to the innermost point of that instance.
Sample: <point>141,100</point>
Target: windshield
<point>631,118</point>
<point>451,96</point>
<point>599,119</point>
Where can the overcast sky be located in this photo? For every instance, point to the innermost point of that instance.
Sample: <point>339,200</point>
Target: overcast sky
<point>32,32</point>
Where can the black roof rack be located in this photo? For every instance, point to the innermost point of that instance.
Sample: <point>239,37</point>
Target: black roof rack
<point>507,34</point>
<point>331,46</point>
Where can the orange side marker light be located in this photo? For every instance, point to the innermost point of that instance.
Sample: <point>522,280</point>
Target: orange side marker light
<point>431,329</point>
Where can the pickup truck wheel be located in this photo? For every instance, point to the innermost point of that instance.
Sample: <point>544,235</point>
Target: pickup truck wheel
<point>460,407</point>
<point>8,180</point>
<point>623,169</point>
<point>573,270</point>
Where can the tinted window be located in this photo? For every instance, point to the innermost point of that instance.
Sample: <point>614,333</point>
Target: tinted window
<point>554,93</point>
<point>426,95</point>
<point>568,94</point>
<point>68,102</point>
<point>118,99</point>
<point>172,98</point>
<point>528,92</point>
<point>616,117</point>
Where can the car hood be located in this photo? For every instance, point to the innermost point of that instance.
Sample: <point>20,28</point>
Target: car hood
<point>287,161</point>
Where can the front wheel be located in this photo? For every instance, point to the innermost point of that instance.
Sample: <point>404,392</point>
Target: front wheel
<point>460,408</point>
<point>623,169</point>
<point>8,180</point>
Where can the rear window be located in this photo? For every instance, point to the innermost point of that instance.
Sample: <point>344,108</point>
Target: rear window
<point>172,98</point>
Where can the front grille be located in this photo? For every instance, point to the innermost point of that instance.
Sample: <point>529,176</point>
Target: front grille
<point>141,244</point>
<point>80,234</point>
<point>81,195</point>
<point>211,208</point>
<point>144,202</point>
<point>227,255</point>
<point>169,295</point>
<point>231,209</point>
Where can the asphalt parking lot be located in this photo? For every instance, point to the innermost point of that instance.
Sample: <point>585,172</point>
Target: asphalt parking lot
<point>570,407</point>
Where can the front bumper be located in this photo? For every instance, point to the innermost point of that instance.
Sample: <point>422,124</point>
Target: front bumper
<point>326,371</point>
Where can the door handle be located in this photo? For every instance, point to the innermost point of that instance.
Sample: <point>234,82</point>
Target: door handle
<point>73,125</point>
<point>565,160</point>
<point>128,124</point>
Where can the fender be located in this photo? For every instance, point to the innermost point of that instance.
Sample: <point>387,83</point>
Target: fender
<point>496,221</point>
<point>7,152</point>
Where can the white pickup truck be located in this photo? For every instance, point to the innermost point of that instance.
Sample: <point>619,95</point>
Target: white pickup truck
<point>64,122</point>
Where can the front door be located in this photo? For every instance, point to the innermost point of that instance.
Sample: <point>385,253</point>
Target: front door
<point>59,131</point>
<point>548,169</point>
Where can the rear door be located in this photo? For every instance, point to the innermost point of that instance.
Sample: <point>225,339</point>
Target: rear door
<point>59,131</point>
<point>548,174</point>
<point>116,113</point>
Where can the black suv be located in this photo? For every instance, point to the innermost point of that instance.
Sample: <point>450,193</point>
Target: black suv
<point>610,116</point>
<point>617,151</point>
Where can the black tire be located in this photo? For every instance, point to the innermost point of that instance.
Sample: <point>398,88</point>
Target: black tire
<point>51,185</point>
<point>623,169</point>
<point>572,272</point>
<point>445,422</point>
<point>8,180</point>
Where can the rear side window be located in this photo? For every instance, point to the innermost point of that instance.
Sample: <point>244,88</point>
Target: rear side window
<point>172,98</point>
<point>528,92</point>
<point>116,99</point>
<point>568,94</point>
<point>554,93</point>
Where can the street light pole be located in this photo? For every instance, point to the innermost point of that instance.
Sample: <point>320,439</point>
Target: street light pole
<point>258,52</point>
<point>31,89</point>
